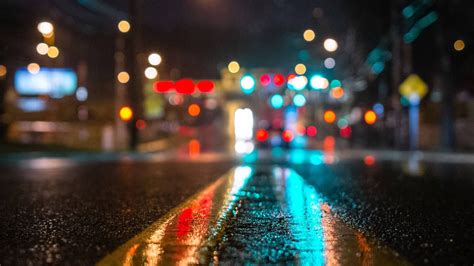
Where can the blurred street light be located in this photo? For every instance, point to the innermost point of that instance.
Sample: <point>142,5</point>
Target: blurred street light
<point>33,68</point>
<point>194,110</point>
<point>299,100</point>
<point>151,73</point>
<point>309,35</point>
<point>276,101</point>
<point>123,26</point>
<point>300,69</point>
<point>248,84</point>
<point>45,28</point>
<point>330,45</point>
<point>3,71</point>
<point>123,77</point>
<point>318,82</point>
<point>126,113</point>
<point>233,67</point>
<point>329,63</point>
<point>154,59</point>
<point>329,116</point>
<point>53,52</point>
<point>459,45</point>
<point>42,48</point>
<point>370,117</point>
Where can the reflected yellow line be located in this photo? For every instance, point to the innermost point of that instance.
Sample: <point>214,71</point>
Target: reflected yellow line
<point>188,234</point>
<point>181,235</point>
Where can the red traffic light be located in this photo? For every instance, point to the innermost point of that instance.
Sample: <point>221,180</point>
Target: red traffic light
<point>185,86</point>
<point>261,135</point>
<point>163,86</point>
<point>287,135</point>
<point>205,86</point>
<point>265,80</point>
<point>279,79</point>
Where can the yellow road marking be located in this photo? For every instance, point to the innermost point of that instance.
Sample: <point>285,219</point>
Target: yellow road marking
<point>188,233</point>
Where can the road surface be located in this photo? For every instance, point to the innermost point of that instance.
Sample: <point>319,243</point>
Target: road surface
<point>302,206</point>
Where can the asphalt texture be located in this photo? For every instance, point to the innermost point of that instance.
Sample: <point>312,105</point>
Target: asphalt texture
<point>78,212</point>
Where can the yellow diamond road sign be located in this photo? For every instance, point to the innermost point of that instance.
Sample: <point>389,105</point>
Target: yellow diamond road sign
<point>413,85</point>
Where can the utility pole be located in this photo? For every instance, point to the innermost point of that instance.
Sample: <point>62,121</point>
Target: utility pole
<point>134,46</point>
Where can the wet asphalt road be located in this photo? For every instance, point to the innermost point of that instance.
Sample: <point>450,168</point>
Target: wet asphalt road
<point>78,212</point>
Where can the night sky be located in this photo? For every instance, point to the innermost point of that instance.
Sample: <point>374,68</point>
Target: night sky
<point>200,36</point>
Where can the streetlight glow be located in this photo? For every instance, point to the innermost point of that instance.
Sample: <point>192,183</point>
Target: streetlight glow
<point>53,52</point>
<point>309,35</point>
<point>33,68</point>
<point>42,48</point>
<point>3,71</point>
<point>300,69</point>
<point>123,26</point>
<point>459,45</point>
<point>45,28</point>
<point>123,77</point>
<point>151,73</point>
<point>233,67</point>
<point>154,59</point>
<point>330,45</point>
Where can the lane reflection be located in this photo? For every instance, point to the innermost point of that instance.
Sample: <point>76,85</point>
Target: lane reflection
<point>185,235</point>
<point>318,236</point>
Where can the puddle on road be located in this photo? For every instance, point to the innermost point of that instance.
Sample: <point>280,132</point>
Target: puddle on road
<point>274,216</point>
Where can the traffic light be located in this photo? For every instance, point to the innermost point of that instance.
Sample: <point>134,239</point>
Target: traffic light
<point>247,83</point>
<point>276,101</point>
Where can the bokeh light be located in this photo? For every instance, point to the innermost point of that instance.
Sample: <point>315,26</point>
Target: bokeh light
<point>151,73</point>
<point>154,59</point>
<point>311,131</point>
<point>287,135</point>
<point>261,135</point>
<point>318,82</point>
<point>337,93</point>
<point>53,52</point>
<point>123,77</point>
<point>370,117</point>
<point>45,28</point>
<point>233,67</point>
<point>299,100</point>
<point>265,80</point>
<point>3,71</point>
<point>329,63</point>
<point>300,69</point>
<point>126,113</point>
<point>297,83</point>
<point>309,35</point>
<point>276,101</point>
<point>123,26</point>
<point>248,84</point>
<point>42,48</point>
<point>194,110</point>
<point>459,45</point>
<point>330,45</point>
<point>278,79</point>
<point>81,94</point>
<point>33,68</point>
<point>329,116</point>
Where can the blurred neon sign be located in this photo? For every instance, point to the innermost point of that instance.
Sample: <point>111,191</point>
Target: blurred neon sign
<point>55,82</point>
